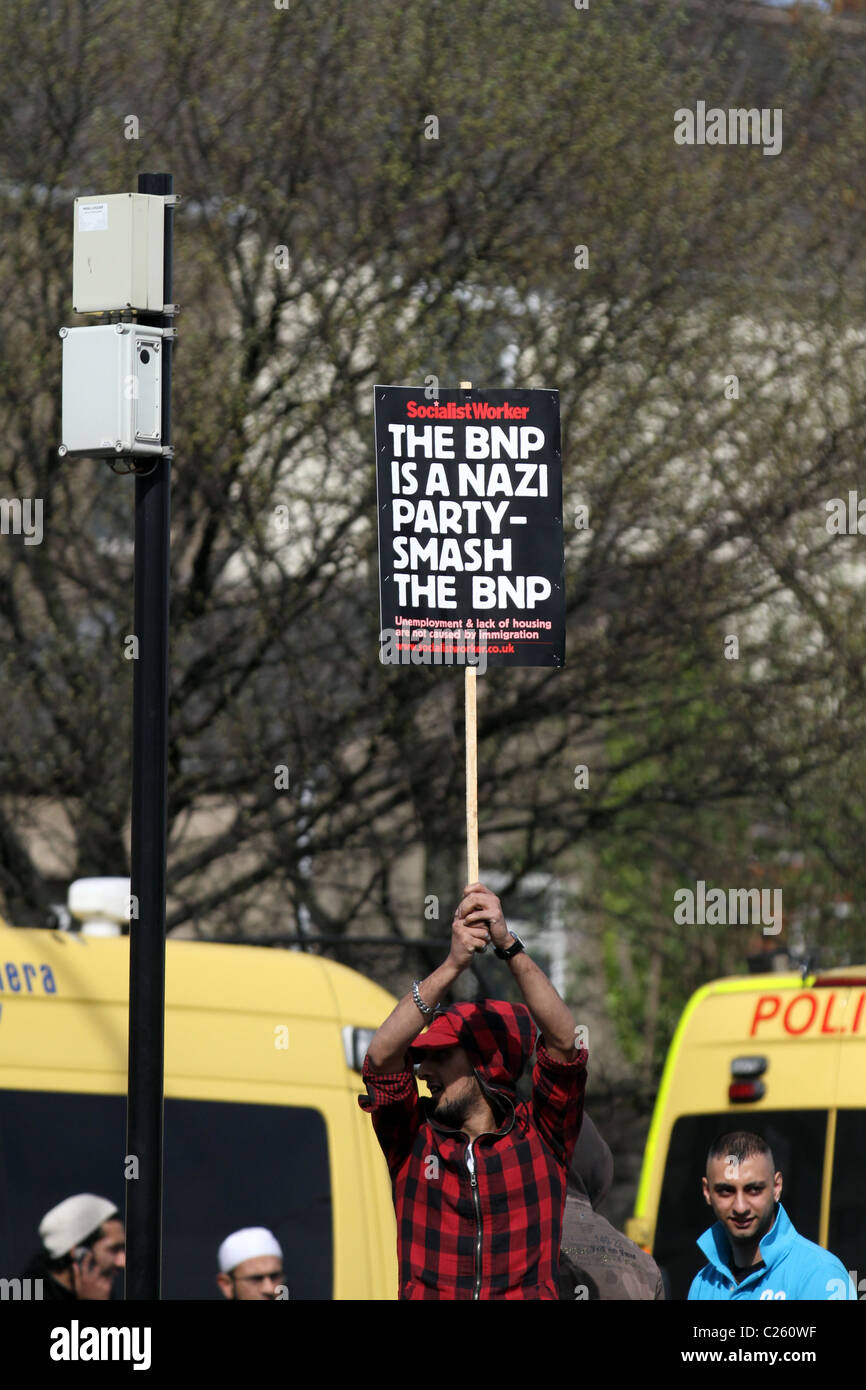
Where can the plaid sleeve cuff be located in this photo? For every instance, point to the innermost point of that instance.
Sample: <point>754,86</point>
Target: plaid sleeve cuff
<point>386,1087</point>
<point>552,1064</point>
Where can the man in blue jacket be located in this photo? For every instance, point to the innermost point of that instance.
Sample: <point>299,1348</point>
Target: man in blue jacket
<point>753,1249</point>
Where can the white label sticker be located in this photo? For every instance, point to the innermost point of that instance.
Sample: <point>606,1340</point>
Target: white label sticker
<point>93,217</point>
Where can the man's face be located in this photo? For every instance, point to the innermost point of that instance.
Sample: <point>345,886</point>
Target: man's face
<point>258,1278</point>
<point>96,1271</point>
<point>742,1195</point>
<point>452,1084</point>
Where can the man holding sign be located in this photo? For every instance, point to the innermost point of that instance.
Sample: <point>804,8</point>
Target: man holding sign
<point>478,1175</point>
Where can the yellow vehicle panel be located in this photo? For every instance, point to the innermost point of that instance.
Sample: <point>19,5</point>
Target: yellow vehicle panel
<point>809,1039</point>
<point>245,1027</point>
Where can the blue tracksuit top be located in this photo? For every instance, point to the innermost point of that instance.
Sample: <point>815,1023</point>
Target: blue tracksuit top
<point>793,1267</point>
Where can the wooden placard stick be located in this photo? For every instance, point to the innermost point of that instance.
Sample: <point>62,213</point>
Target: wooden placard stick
<point>471,760</point>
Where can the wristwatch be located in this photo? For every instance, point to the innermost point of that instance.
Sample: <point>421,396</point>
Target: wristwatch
<point>514,950</point>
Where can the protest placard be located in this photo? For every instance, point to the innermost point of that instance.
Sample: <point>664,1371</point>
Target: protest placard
<point>471,565</point>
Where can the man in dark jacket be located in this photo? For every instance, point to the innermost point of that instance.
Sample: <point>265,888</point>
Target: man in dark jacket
<point>478,1175</point>
<point>83,1249</point>
<point>598,1262</point>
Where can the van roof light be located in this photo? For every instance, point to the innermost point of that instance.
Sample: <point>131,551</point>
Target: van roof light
<point>852,976</point>
<point>100,905</point>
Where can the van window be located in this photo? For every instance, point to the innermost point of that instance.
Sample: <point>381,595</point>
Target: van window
<point>226,1166</point>
<point>797,1140</point>
<point>847,1228</point>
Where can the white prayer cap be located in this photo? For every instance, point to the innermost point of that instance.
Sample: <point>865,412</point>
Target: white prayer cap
<point>70,1223</point>
<point>247,1245</point>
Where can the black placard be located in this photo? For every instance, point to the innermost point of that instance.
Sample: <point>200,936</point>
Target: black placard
<point>471,564</point>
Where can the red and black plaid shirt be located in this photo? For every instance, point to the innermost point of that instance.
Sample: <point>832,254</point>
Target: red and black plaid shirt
<point>501,1237</point>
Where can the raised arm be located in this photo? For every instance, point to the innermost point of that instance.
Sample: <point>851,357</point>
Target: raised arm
<point>481,907</point>
<point>388,1048</point>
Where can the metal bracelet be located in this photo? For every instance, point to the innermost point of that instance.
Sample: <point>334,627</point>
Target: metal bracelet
<point>425,1008</point>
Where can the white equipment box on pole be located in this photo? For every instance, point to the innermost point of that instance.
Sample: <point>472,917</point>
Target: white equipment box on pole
<point>117,253</point>
<point>112,390</point>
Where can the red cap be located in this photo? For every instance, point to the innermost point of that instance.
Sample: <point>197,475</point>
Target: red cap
<point>444,1031</point>
<point>499,1037</point>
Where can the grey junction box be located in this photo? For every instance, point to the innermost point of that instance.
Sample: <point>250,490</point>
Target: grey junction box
<point>118,252</point>
<point>112,390</point>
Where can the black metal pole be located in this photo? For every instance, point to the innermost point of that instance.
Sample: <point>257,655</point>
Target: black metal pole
<point>144,1117</point>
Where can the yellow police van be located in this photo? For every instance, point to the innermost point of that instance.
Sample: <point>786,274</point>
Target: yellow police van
<point>263,1049</point>
<point>784,1057</point>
